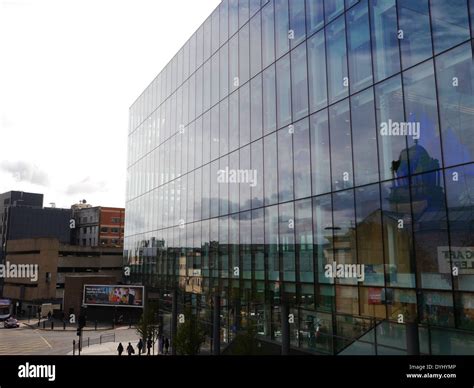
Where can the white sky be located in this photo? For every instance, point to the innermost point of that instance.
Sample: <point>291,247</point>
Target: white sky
<point>69,71</point>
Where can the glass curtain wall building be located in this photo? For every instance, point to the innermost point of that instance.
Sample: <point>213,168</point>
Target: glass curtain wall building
<point>286,136</point>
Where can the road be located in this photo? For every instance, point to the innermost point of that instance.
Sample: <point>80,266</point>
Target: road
<point>29,341</point>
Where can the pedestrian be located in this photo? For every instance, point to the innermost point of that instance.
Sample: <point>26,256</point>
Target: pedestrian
<point>167,345</point>
<point>161,343</point>
<point>120,349</point>
<point>149,344</point>
<point>140,347</point>
<point>49,315</point>
<point>130,349</point>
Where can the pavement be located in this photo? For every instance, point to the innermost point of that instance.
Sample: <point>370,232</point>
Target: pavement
<point>107,349</point>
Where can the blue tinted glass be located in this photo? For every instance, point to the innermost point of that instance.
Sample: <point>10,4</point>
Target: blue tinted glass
<point>421,113</point>
<point>302,160</point>
<point>287,240</point>
<point>304,239</point>
<point>244,187</point>
<point>268,35</point>
<point>270,169</point>
<point>256,107</point>
<point>234,63</point>
<point>233,16</point>
<point>383,15</point>
<point>269,104</point>
<point>282,27</point>
<point>224,188</point>
<point>244,121</point>
<point>341,150</point>
<point>459,194</point>
<point>415,25</point>
<point>333,8</point>
<point>314,15</point>
<point>224,21</point>
<point>299,82</point>
<point>455,80</point>
<point>450,23</point>
<point>358,43</point>
<point>320,157</point>
<point>297,21</point>
<point>389,106</point>
<point>271,242</point>
<point>224,127</point>
<point>234,193</point>
<point>254,6</point>
<point>256,149</point>
<point>317,72</point>
<point>283,91</point>
<point>285,165</point>
<point>244,54</point>
<point>337,60</point>
<point>322,227</point>
<point>234,121</point>
<point>364,133</point>
<point>256,45</point>
<point>243,12</point>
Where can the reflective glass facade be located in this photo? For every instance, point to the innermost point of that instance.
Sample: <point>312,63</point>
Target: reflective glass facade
<point>292,97</point>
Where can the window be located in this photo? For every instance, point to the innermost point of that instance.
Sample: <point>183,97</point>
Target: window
<point>224,188</point>
<point>455,81</point>
<point>234,194</point>
<point>243,12</point>
<point>414,21</point>
<point>224,71</point>
<point>269,105</point>
<point>215,31</point>
<point>322,229</point>
<point>317,72</point>
<point>256,151</point>
<point>233,16</point>
<point>234,81</point>
<point>333,8</point>
<point>271,242</point>
<point>314,15</point>
<point>281,27</point>
<point>304,239</point>
<point>268,37</point>
<point>287,241</point>
<point>364,138</point>
<point>450,23</point>
<point>302,160</point>
<point>234,121</point>
<point>320,156</point>
<point>297,21</point>
<point>224,21</point>
<point>270,170</point>
<point>299,82</point>
<point>256,46</point>
<point>244,54</point>
<point>244,155</point>
<point>285,165</point>
<point>358,42</point>
<point>256,107</point>
<point>244,97</point>
<point>337,60</point>
<point>224,127</point>
<point>215,90</point>
<point>206,138</point>
<point>341,151</point>
<point>215,132</point>
<point>384,40</point>
<point>283,91</point>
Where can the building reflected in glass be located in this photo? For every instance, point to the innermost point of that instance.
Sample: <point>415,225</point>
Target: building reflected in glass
<point>257,157</point>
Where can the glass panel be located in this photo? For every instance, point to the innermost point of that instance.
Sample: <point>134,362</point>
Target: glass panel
<point>215,79</point>
<point>234,63</point>
<point>304,239</point>
<point>224,21</point>
<point>234,192</point>
<point>256,107</point>
<point>383,14</point>
<point>455,81</point>
<point>283,90</point>
<point>269,97</point>
<point>414,21</point>
<point>256,46</point>
<point>333,8</point>
<point>243,12</point>
<point>337,60</point>
<point>282,26</point>
<point>215,132</point>
<point>285,165</point>
<point>271,242</point>
<point>358,43</point>
<point>225,185</point>
<point>206,138</point>
<point>314,15</point>
<point>369,234</point>
<point>320,157</point>
<point>214,189</point>
<point>317,72</point>
<point>460,200</point>
<point>389,108</point>
<point>270,169</point>
<point>297,22</point>
<point>244,54</point>
<point>302,160</point>
<point>299,82</point>
<point>215,31</point>
<point>341,151</point>
<point>244,185</point>
<point>364,138</point>
<point>438,308</point>
<point>244,96</point>
<point>287,240</point>
<point>224,127</point>
<point>205,207</point>
<point>268,35</point>
<point>234,121</point>
<point>257,169</point>
<point>450,23</point>
<point>258,242</point>
<point>233,16</point>
<point>421,112</point>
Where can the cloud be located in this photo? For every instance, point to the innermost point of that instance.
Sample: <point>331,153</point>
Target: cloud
<point>25,172</point>
<point>86,186</point>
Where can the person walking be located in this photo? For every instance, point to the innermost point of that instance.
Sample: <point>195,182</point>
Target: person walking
<point>140,347</point>
<point>167,345</point>
<point>130,349</point>
<point>149,345</point>
<point>120,349</point>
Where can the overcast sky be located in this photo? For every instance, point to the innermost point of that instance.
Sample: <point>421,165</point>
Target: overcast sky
<point>69,71</point>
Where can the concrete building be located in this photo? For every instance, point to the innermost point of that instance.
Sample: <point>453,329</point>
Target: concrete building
<point>55,261</point>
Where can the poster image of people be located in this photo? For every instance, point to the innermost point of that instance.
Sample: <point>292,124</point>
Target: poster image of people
<point>113,295</point>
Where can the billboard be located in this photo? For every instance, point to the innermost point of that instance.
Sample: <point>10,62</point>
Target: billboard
<point>105,295</point>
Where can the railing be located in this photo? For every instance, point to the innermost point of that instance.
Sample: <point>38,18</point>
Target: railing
<point>86,342</point>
